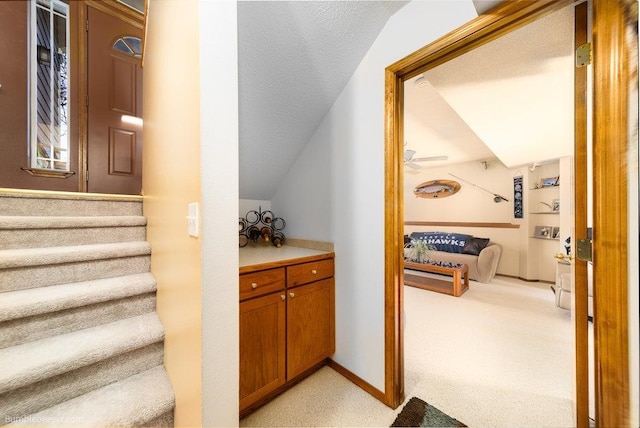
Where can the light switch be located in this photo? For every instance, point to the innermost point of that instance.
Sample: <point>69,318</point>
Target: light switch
<point>192,219</point>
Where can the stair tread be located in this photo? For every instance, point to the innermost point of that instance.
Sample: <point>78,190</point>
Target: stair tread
<point>63,222</point>
<point>34,361</point>
<point>131,401</point>
<point>35,301</point>
<point>25,257</point>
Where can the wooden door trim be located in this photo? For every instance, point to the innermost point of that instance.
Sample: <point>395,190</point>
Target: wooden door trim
<point>120,11</point>
<point>612,384</point>
<point>581,304</point>
<point>83,82</point>
<point>501,20</point>
<point>610,71</point>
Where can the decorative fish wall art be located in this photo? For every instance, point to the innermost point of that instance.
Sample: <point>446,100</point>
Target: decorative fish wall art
<point>436,189</point>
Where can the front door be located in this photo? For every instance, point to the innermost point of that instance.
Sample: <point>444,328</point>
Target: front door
<point>114,148</point>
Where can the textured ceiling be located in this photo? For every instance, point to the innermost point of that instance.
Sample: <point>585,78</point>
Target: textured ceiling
<point>294,60</point>
<point>433,128</point>
<point>511,98</point>
<point>296,57</point>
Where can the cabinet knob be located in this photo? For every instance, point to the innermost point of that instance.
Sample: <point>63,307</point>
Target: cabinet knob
<point>254,285</point>
<point>313,272</point>
<point>282,296</point>
<point>292,295</point>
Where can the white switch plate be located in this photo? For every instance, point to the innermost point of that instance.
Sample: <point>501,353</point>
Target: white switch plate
<point>192,219</point>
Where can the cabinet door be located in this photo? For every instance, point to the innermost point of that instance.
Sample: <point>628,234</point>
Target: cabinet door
<point>310,325</point>
<point>262,347</point>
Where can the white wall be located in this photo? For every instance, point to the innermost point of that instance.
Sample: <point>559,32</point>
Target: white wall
<point>246,205</point>
<point>303,199</point>
<point>470,204</point>
<point>219,164</point>
<point>336,188</point>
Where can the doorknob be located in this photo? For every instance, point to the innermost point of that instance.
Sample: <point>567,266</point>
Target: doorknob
<point>292,295</point>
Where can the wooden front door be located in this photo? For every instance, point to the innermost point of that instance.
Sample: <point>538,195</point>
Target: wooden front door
<point>114,147</point>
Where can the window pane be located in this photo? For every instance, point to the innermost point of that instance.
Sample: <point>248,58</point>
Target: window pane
<point>121,46</point>
<point>135,43</point>
<point>50,86</point>
<point>129,45</point>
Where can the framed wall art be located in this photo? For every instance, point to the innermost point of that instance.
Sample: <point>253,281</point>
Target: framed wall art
<point>543,232</point>
<point>549,182</point>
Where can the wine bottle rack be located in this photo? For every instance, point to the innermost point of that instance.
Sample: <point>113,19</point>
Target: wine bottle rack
<point>261,226</point>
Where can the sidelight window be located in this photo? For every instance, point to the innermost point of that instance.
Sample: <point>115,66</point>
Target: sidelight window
<point>49,85</point>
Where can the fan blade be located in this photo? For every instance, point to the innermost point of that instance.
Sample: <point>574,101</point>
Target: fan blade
<point>411,171</point>
<point>408,154</point>
<point>430,158</point>
<point>412,165</point>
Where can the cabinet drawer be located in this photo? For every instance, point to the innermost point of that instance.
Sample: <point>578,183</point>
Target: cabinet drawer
<point>309,272</point>
<point>259,283</point>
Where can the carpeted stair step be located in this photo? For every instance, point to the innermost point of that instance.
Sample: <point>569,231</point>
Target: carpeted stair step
<point>80,342</point>
<point>49,392</point>
<point>33,362</point>
<point>38,267</point>
<point>43,231</point>
<point>143,399</point>
<point>41,203</point>
<point>33,314</point>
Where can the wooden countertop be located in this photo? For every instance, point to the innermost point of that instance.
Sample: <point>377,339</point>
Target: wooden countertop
<point>258,257</point>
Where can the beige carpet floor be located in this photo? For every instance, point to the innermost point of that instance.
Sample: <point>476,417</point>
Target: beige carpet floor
<point>499,356</point>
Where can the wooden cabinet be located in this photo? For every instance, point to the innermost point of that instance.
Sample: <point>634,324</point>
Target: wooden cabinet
<point>287,324</point>
<point>305,273</point>
<point>262,347</point>
<point>310,326</point>
<point>260,283</point>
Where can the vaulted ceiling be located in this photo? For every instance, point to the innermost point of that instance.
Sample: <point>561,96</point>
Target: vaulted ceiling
<point>296,57</point>
<point>511,99</point>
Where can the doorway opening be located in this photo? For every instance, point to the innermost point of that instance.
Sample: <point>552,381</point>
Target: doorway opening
<point>612,399</point>
<point>501,113</point>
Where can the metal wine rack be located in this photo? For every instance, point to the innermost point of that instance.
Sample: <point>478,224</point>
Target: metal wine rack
<point>261,225</point>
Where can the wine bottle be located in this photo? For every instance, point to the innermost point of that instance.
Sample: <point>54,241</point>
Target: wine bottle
<point>277,239</point>
<point>267,217</point>
<point>265,233</point>
<point>253,233</point>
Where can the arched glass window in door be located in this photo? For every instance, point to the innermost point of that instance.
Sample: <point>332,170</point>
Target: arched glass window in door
<point>129,45</point>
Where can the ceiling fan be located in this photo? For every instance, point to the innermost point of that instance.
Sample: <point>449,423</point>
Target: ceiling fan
<point>411,162</point>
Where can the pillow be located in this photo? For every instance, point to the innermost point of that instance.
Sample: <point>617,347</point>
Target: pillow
<point>443,241</point>
<point>475,245</point>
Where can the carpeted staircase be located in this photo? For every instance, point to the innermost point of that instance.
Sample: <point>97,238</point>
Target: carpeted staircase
<point>80,341</point>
